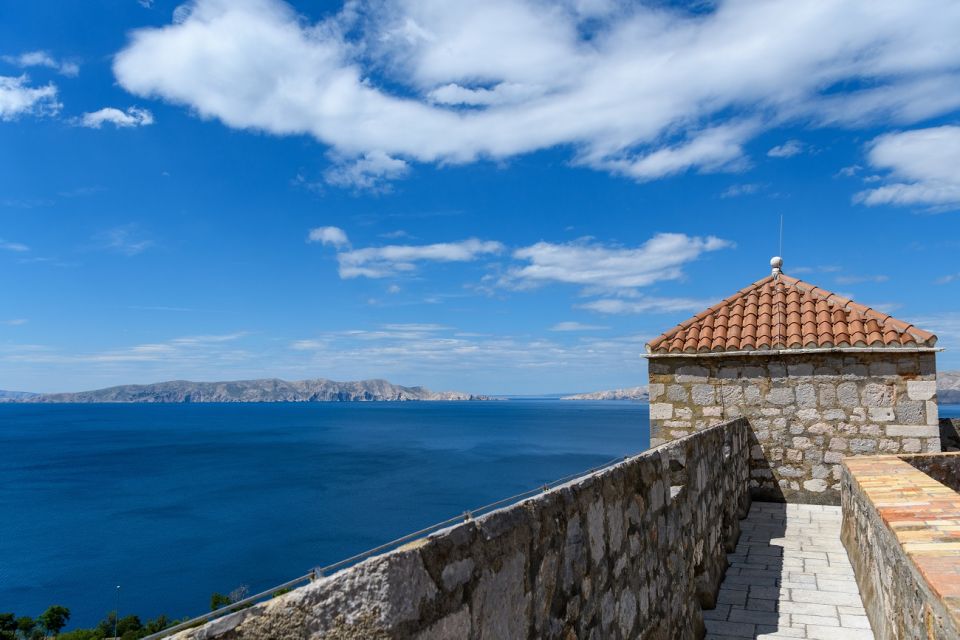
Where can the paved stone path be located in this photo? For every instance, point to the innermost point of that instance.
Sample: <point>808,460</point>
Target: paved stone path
<point>789,578</point>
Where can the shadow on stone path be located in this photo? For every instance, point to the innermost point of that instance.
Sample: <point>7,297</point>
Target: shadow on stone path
<point>789,578</point>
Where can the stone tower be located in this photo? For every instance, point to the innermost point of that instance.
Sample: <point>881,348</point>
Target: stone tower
<point>818,377</point>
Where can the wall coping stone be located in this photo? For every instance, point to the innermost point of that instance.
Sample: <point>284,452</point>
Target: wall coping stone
<point>674,500</point>
<point>921,514</point>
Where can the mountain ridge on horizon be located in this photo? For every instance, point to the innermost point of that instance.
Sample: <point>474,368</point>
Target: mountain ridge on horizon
<point>256,390</point>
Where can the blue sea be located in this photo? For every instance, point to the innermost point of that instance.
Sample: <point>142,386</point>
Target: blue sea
<point>174,502</point>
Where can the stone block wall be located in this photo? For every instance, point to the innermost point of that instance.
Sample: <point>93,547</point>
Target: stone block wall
<point>899,530</point>
<point>807,411</point>
<point>632,551</point>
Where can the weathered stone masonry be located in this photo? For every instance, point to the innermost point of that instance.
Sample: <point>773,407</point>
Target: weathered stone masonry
<point>632,551</point>
<point>807,410</point>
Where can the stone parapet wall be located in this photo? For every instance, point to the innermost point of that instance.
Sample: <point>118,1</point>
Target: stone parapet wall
<point>900,530</point>
<point>807,411</point>
<point>632,551</point>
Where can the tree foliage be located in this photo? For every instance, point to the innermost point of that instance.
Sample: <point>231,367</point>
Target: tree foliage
<point>54,619</point>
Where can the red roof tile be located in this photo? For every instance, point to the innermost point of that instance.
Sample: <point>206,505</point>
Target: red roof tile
<point>780,312</point>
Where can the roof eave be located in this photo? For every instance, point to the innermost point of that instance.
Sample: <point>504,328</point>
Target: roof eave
<point>785,352</point>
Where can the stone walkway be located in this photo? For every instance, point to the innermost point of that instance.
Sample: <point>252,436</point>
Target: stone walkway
<point>789,578</point>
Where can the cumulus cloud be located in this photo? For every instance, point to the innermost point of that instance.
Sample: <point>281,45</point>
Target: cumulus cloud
<point>921,165</point>
<point>132,117</point>
<point>371,172</point>
<point>604,268</point>
<point>18,98</point>
<point>788,149</point>
<point>632,88</point>
<point>43,59</point>
<point>333,236</point>
<point>613,273</point>
<point>381,262</point>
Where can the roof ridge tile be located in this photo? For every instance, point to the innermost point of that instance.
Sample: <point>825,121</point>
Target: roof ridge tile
<point>785,312</point>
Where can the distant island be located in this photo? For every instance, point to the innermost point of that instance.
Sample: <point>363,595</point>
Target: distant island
<point>948,387</point>
<point>14,396</point>
<point>266,390</point>
<point>948,391</point>
<point>638,394</point>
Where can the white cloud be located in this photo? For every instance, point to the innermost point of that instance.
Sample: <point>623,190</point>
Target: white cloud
<point>823,268</point>
<point>947,279</point>
<point>15,322</point>
<point>132,117</point>
<point>922,166</point>
<point>636,89</point>
<point>503,93</point>
<point>788,149</point>
<point>945,325</point>
<point>333,236</point>
<point>849,171</point>
<point>371,172</point>
<point>576,326</point>
<point>737,190</point>
<point>13,246</point>
<point>854,279</point>
<point>605,268</point>
<point>18,98</point>
<point>381,262</point>
<point>451,359</point>
<point>124,240</point>
<point>645,304</point>
<point>43,59</point>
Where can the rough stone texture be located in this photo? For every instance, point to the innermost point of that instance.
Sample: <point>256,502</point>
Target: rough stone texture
<point>806,411</point>
<point>950,434</point>
<point>632,551</point>
<point>944,468</point>
<point>899,527</point>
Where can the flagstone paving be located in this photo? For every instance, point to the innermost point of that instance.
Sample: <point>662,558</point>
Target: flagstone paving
<point>789,578</point>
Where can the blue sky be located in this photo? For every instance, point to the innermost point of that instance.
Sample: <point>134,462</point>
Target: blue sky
<point>500,197</point>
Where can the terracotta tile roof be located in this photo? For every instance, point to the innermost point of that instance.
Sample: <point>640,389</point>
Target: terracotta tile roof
<point>780,312</point>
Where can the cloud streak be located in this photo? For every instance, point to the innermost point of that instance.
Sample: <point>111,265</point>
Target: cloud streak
<point>604,268</point>
<point>132,117</point>
<point>922,168</point>
<point>391,260</point>
<point>329,236</point>
<point>18,98</point>
<point>43,59</point>
<point>597,269</point>
<point>17,247</point>
<point>633,89</point>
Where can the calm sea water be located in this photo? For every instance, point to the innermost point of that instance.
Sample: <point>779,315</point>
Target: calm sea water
<point>174,502</point>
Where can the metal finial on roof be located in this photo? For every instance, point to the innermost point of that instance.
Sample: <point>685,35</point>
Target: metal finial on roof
<point>776,266</point>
